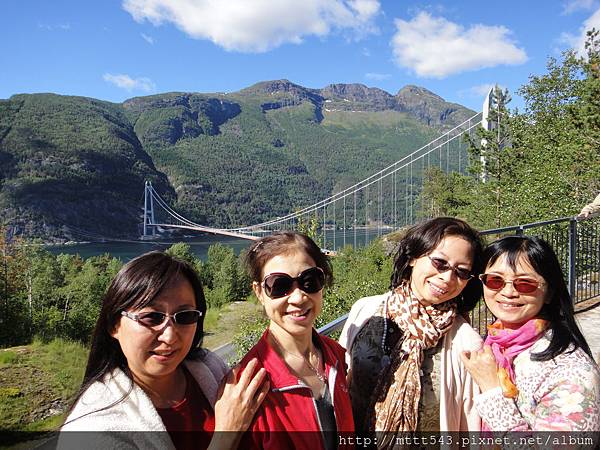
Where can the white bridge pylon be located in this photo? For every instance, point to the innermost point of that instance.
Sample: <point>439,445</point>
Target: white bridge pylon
<point>387,200</point>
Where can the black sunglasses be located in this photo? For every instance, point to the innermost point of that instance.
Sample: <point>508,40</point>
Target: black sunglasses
<point>154,319</point>
<point>278,285</point>
<point>441,265</point>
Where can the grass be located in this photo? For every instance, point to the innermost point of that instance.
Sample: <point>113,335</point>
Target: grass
<point>38,381</point>
<point>225,322</point>
<point>8,357</point>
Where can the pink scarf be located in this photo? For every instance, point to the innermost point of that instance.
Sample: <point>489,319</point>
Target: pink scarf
<point>508,344</point>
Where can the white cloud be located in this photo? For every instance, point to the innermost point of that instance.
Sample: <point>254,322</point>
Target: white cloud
<point>378,76</point>
<point>257,25</point>
<point>577,42</point>
<point>435,47</point>
<point>570,6</point>
<point>130,84</point>
<point>148,39</point>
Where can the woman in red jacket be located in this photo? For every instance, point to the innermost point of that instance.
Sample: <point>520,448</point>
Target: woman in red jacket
<point>308,405</point>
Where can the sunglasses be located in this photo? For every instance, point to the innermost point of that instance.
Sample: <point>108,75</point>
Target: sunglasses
<point>278,285</point>
<point>441,265</point>
<point>521,285</point>
<point>154,319</point>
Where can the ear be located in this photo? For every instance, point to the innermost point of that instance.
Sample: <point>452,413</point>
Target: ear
<point>115,332</point>
<point>258,291</point>
<point>411,263</point>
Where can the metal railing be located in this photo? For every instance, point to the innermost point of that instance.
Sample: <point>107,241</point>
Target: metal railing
<point>577,245</point>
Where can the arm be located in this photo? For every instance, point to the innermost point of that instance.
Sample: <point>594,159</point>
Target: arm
<point>566,399</point>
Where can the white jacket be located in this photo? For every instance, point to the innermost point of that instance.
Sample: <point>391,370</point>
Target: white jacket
<point>134,413</point>
<point>457,410</point>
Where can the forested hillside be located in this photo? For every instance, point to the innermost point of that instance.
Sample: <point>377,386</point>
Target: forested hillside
<point>72,167</point>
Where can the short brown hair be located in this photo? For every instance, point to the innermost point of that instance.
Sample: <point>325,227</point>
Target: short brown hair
<point>284,243</point>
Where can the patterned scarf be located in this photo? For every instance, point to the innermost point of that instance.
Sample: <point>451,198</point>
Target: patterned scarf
<point>397,407</point>
<point>506,346</point>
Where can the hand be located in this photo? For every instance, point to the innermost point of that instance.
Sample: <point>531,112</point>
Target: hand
<point>482,367</point>
<point>238,401</point>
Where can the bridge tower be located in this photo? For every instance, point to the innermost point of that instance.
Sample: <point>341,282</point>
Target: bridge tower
<point>149,232</point>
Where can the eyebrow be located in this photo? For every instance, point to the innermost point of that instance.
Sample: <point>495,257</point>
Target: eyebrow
<point>444,256</point>
<point>517,274</point>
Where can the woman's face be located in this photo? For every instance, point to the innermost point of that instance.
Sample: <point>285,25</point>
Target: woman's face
<point>432,287</point>
<point>512,308</point>
<point>154,354</point>
<point>295,313</point>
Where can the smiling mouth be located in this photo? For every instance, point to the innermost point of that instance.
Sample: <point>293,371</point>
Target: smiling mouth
<point>510,305</point>
<point>302,313</point>
<point>164,354</point>
<point>437,289</point>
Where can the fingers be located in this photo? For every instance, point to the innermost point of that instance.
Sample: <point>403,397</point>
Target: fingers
<point>248,372</point>
<point>262,393</point>
<point>488,351</point>
<point>466,358</point>
<point>257,381</point>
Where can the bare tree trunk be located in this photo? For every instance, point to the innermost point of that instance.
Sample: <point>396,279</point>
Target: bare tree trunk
<point>66,308</point>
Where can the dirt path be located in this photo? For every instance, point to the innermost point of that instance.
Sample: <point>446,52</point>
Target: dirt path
<point>229,320</point>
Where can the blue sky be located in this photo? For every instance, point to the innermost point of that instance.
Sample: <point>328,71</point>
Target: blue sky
<point>118,49</point>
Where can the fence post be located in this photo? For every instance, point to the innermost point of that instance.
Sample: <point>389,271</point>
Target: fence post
<point>572,258</point>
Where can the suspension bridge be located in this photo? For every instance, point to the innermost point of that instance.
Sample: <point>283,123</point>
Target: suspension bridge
<point>385,201</point>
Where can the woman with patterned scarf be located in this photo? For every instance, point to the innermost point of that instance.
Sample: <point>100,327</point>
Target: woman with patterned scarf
<point>403,347</point>
<point>536,371</point>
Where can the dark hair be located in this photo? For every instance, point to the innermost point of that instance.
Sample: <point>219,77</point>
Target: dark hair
<point>284,243</point>
<point>136,285</point>
<point>559,308</point>
<point>423,238</point>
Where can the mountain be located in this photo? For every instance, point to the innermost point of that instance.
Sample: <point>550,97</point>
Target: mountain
<point>74,166</point>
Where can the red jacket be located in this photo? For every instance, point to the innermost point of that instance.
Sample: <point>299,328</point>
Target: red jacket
<point>288,417</point>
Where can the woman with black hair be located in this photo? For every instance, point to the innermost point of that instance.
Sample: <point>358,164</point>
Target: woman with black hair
<point>536,371</point>
<point>403,347</point>
<point>147,372</point>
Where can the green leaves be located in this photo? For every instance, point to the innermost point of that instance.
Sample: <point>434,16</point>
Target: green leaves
<point>533,165</point>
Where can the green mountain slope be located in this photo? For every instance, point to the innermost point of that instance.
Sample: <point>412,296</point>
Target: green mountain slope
<point>71,164</point>
<point>220,159</point>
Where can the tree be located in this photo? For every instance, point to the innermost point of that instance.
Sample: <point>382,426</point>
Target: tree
<point>444,194</point>
<point>558,136</point>
<point>491,162</point>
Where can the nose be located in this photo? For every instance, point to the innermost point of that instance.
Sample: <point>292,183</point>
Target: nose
<point>447,275</point>
<point>509,291</point>
<point>297,295</point>
<point>168,332</point>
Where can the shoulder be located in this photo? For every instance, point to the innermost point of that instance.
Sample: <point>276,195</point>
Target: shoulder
<point>258,352</point>
<point>463,337</point>
<point>360,312</point>
<point>210,361</point>
<point>333,346</point>
<point>98,407</point>
<point>573,367</point>
<point>367,305</point>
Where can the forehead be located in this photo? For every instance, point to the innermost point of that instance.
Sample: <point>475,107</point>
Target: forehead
<point>455,247</point>
<point>176,293</point>
<point>503,264</point>
<point>291,263</point>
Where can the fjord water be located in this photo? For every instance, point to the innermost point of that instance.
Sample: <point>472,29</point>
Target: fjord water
<point>126,250</point>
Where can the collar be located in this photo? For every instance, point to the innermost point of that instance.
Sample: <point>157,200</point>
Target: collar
<point>280,375</point>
